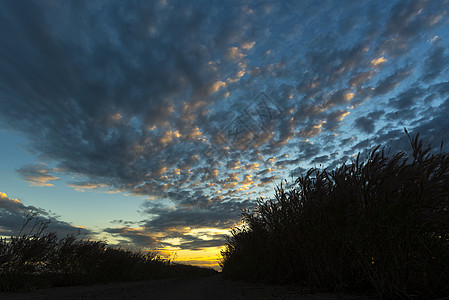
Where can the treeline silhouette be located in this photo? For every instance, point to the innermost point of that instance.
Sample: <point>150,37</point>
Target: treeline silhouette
<point>378,226</point>
<point>39,259</point>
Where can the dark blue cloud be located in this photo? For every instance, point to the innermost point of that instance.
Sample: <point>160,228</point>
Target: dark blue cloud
<point>436,63</point>
<point>13,215</point>
<point>367,123</point>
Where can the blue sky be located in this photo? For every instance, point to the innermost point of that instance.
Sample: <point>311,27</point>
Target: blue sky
<point>153,123</point>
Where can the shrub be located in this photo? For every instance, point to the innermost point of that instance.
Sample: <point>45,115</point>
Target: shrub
<point>37,259</point>
<point>381,225</point>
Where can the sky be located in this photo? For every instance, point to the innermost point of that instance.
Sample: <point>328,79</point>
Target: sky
<point>152,124</point>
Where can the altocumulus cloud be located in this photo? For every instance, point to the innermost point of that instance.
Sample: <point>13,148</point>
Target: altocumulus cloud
<point>163,98</point>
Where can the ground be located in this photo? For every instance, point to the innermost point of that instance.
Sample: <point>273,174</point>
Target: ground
<point>208,288</point>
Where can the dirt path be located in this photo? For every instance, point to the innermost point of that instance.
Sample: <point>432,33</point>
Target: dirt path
<point>207,288</point>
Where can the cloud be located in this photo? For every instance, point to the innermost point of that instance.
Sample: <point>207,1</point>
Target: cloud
<point>37,175</point>
<point>390,82</point>
<point>199,244</point>
<point>435,38</point>
<point>360,78</point>
<point>234,53</point>
<point>407,21</point>
<point>12,217</point>
<point>177,227</point>
<point>339,97</point>
<point>403,18</point>
<point>267,180</point>
<point>248,45</point>
<point>378,61</point>
<point>367,123</point>
<point>215,215</point>
<point>90,186</point>
<point>320,160</point>
<point>11,205</point>
<point>134,237</point>
<point>335,119</point>
<point>407,99</point>
<point>436,63</point>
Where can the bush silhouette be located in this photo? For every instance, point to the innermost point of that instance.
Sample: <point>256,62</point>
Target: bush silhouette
<point>36,259</point>
<point>377,226</point>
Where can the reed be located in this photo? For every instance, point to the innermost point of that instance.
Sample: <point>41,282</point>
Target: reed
<point>39,259</point>
<point>378,226</point>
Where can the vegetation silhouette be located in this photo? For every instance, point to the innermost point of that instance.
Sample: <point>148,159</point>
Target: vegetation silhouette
<point>39,259</point>
<point>378,226</point>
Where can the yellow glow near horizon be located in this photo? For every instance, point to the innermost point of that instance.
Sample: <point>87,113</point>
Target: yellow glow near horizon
<point>207,257</point>
<point>204,257</point>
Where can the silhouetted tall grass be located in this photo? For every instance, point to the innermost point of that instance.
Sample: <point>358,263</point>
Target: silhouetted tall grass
<point>378,226</point>
<point>36,259</point>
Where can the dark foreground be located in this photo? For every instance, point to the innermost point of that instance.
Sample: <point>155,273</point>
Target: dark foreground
<point>211,287</point>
